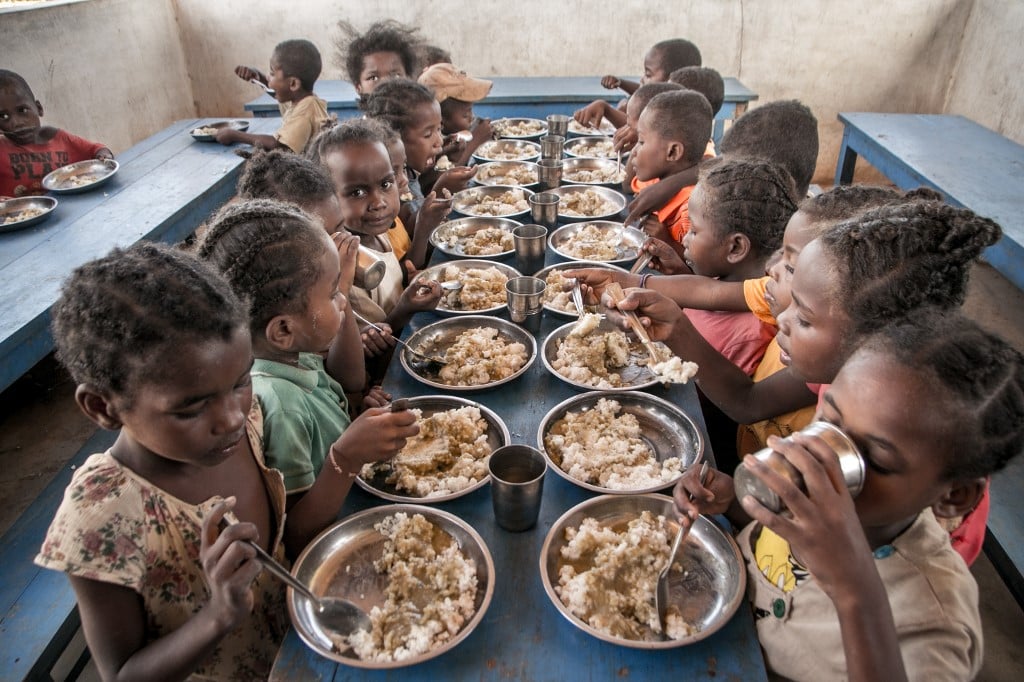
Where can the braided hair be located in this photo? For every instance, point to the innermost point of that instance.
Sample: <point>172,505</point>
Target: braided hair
<point>395,102</point>
<point>751,196</point>
<point>894,259</point>
<point>284,176</point>
<point>785,132</point>
<point>119,316</point>
<point>382,36</point>
<point>845,201</point>
<point>350,132</point>
<point>269,252</point>
<point>979,372</point>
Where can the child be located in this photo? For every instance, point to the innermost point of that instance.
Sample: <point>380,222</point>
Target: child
<point>159,347</point>
<point>292,178</point>
<point>29,150</point>
<point>869,588</point>
<point>288,269</point>
<point>456,91</point>
<point>707,82</point>
<point>387,50</point>
<point>432,54</point>
<point>294,67</point>
<point>671,134</point>
<point>364,181</point>
<point>624,138</point>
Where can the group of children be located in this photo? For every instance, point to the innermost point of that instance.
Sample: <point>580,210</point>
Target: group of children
<point>244,386</point>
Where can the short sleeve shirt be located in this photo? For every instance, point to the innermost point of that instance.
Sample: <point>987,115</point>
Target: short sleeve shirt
<point>23,167</point>
<point>300,121</point>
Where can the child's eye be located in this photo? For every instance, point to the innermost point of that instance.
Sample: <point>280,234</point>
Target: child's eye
<point>357,194</point>
<point>802,322</point>
<point>387,184</point>
<point>789,269</point>
<point>189,414</point>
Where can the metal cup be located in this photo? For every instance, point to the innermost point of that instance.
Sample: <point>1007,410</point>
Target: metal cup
<point>558,124</point>
<point>549,173</point>
<point>544,209</point>
<point>530,242</point>
<point>370,268</point>
<point>526,301</point>
<point>551,146</point>
<point>850,461</point>
<point>517,481</point>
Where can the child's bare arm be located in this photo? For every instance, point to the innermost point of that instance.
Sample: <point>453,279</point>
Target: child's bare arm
<point>592,114</point>
<point>344,359</point>
<point>436,207</point>
<point>700,293</point>
<point>228,135</point>
<point>482,132</point>
<point>614,83</point>
<point>653,197</point>
<point>248,73</point>
<point>423,295</point>
<point>114,619</point>
<point>455,179</point>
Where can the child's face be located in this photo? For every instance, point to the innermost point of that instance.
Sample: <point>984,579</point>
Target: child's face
<point>651,154</point>
<point>366,188</point>
<point>704,250</point>
<point>194,414</point>
<point>423,137</point>
<point>378,66</point>
<point>799,232</point>
<point>633,111</point>
<point>877,402</point>
<point>654,68</point>
<point>396,151</point>
<point>814,330</point>
<point>278,82</point>
<point>329,212</point>
<point>19,115</point>
<point>316,327</point>
<point>457,115</point>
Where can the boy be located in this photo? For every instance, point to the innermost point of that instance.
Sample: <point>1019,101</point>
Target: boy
<point>456,91</point>
<point>672,132</point>
<point>294,67</point>
<point>29,150</point>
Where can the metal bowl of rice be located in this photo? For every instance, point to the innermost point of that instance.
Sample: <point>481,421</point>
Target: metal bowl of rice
<point>588,202</point>
<point>598,240</point>
<point>558,302</point>
<point>507,150</point>
<point>634,375</point>
<point>483,286</point>
<point>519,128</point>
<point>458,237</point>
<point>508,173</point>
<point>492,201</point>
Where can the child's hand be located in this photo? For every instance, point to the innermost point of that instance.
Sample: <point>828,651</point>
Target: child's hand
<point>247,73</point>
<point>657,313</point>
<point>455,179</point>
<point>713,497</point>
<point>104,154</point>
<point>229,564</point>
<point>610,82</point>
<point>655,229</point>
<point>451,146</point>
<point>596,279</point>
<point>375,342</point>
<point>226,135</point>
<point>376,397</point>
<point>374,436</point>
<point>348,255</point>
<point>422,295</point>
<point>482,131</point>
<point>624,139</point>
<point>436,207</point>
<point>664,258</point>
<point>823,529</point>
<point>590,116</point>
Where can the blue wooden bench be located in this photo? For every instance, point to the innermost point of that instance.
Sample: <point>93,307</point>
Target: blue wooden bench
<point>972,166</point>
<point>1004,541</point>
<point>520,96</point>
<point>38,616</point>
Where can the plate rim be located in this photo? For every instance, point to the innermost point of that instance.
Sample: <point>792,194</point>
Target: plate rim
<point>547,365</point>
<point>49,178</point>
<point>443,248</point>
<point>471,262</point>
<point>34,220</point>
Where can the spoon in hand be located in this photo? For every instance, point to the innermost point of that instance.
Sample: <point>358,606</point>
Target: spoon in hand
<point>661,596</point>
<point>427,361</point>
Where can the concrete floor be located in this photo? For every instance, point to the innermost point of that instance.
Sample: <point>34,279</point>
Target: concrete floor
<point>41,428</point>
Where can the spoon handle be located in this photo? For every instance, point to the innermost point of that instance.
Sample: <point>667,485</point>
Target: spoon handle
<point>399,341</point>
<point>271,564</point>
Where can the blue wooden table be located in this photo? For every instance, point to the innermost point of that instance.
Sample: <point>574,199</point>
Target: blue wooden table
<point>972,166</point>
<point>166,186</point>
<point>520,96</point>
<point>523,636</point>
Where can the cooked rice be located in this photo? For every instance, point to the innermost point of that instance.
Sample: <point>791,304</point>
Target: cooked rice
<point>586,204</point>
<point>481,356</point>
<point>482,288</point>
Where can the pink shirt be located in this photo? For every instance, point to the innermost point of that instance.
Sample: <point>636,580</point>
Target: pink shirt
<point>739,337</point>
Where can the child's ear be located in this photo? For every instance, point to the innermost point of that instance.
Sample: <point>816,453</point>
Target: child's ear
<point>739,247</point>
<point>39,106</point>
<point>294,84</point>
<point>675,151</point>
<point>97,406</point>
<point>962,497</point>
<point>280,333</point>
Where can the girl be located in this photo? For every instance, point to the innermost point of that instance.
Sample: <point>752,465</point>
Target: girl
<point>387,50</point>
<point>287,267</point>
<point>159,347</point>
<point>295,179</point>
<point>869,588</point>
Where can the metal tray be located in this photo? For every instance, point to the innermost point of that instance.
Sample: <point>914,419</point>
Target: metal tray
<point>584,164</point>
<point>518,150</point>
<point>499,124</point>
<point>615,198</point>
<point>437,272</point>
<point>237,124</point>
<point>92,173</point>
<point>495,173</point>
<point>634,375</point>
<point>606,129</point>
<point>339,562</point>
<point>708,590</point>
<point>11,207</point>
<point>497,436</point>
<point>446,237</point>
<point>629,248</point>
<point>466,201</point>
<point>570,312</point>
<point>591,147</point>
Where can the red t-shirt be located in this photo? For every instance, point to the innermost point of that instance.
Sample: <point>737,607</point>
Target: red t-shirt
<point>23,167</point>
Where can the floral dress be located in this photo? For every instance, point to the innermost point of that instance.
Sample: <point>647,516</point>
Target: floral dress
<point>114,526</point>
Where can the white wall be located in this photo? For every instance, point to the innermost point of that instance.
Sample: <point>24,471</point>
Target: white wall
<point>109,70</point>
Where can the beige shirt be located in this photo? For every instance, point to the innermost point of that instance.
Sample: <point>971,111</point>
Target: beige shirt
<point>376,304</point>
<point>300,121</point>
<point>934,602</point>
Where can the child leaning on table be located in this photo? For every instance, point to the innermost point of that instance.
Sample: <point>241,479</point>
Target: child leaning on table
<point>869,588</point>
<point>307,353</point>
<point>294,67</point>
<point>456,91</point>
<point>28,149</point>
<point>159,347</point>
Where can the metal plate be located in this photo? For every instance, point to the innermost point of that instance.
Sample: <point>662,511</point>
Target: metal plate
<point>446,237</point>
<point>339,563</point>
<point>435,339</point>
<point>591,147</point>
<point>615,198</point>
<point>629,249</point>
<point>634,375</point>
<point>237,124</point>
<point>501,125</point>
<point>496,173</point>
<point>664,427</point>
<point>466,201</point>
<point>606,129</point>
<point>571,166</point>
<point>708,590</point>
<point>12,207</point>
<point>497,436</point>
<point>507,150</point>
<point>437,273</point>
<point>91,174</point>
<point>570,312</point>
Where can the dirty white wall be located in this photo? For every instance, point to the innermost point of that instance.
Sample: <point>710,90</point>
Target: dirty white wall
<point>986,85</point>
<point>108,70</point>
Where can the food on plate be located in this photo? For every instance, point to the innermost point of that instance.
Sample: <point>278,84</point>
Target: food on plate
<point>205,130</point>
<point>442,164</point>
<point>514,175</point>
<point>592,242</point>
<point>594,147</point>
<point>512,127</point>
<point>595,175</point>
<point>480,356</point>
<point>590,357</point>
<point>496,150</point>
<point>610,575</point>
<point>603,446</point>
<point>476,202</point>
<point>449,454</point>
<point>474,240</point>
<point>586,204</point>
<point>78,181</point>
<point>24,214</point>
<point>605,128</point>
<point>430,594</point>
<point>556,294</point>
<point>482,288</point>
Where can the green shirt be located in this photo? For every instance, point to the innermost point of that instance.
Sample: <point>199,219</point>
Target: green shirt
<point>304,412</point>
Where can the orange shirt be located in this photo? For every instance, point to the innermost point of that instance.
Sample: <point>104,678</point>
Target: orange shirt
<point>676,213</point>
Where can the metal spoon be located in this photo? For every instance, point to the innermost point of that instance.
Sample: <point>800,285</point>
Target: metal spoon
<point>661,596</point>
<point>614,290</point>
<point>429,361</point>
<point>577,297</point>
<point>452,285</point>
<point>267,89</point>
